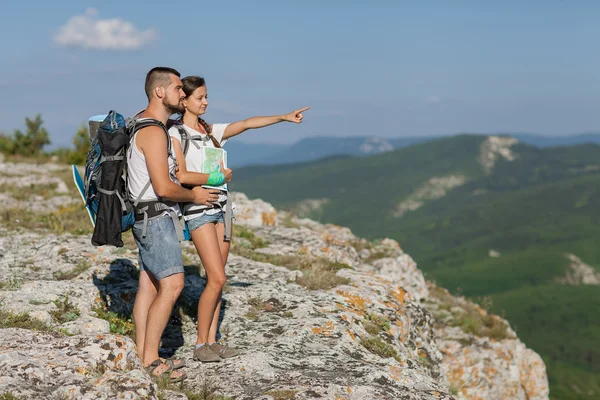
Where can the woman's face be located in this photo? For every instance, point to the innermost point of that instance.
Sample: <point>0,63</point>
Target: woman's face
<point>197,102</point>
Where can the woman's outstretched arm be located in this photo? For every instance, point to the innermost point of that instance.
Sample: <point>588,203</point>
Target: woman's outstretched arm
<point>238,127</point>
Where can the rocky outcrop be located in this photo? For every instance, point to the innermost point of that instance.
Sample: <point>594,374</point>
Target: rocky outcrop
<point>483,357</point>
<point>579,273</point>
<point>433,189</point>
<point>318,313</point>
<point>494,148</point>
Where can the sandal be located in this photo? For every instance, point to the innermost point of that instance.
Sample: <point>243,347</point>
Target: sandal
<point>174,362</point>
<point>157,363</point>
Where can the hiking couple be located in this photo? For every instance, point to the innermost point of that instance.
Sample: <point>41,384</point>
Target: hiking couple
<point>162,275</point>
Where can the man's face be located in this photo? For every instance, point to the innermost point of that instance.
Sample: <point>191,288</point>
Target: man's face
<point>174,95</point>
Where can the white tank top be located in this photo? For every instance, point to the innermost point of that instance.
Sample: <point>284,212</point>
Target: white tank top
<point>137,173</point>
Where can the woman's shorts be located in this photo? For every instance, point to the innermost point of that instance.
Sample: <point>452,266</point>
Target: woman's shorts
<point>203,219</point>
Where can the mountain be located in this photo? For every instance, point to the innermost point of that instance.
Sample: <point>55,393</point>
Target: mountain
<point>549,141</point>
<point>314,148</point>
<point>488,217</point>
<point>243,154</point>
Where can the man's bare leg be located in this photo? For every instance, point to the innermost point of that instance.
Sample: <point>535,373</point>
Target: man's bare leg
<point>159,313</point>
<point>147,291</point>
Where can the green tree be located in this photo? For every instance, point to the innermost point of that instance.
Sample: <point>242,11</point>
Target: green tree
<point>29,143</point>
<point>81,142</point>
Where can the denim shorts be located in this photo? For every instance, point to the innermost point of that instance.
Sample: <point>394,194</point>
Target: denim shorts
<point>203,219</point>
<point>159,250</point>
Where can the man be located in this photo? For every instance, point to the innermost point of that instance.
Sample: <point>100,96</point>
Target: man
<point>161,277</point>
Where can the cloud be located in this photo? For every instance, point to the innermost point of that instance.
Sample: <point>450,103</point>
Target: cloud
<point>89,32</point>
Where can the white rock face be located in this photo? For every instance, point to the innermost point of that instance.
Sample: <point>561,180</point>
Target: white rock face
<point>375,145</point>
<point>480,367</point>
<point>433,189</point>
<point>495,147</point>
<point>307,206</point>
<point>579,273</point>
<point>253,213</point>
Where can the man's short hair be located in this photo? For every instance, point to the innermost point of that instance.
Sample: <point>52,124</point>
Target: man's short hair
<point>158,76</point>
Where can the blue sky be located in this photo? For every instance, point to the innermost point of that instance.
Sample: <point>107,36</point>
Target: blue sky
<point>380,68</point>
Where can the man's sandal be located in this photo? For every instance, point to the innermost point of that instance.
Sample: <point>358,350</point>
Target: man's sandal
<point>174,362</point>
<point>157,363</point>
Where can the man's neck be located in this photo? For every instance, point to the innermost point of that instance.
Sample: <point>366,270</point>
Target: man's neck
<point>156,111</point>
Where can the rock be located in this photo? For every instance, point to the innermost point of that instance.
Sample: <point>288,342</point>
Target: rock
<point>403,271</point>
<point>494,148</point>
<point>86,325</point>
<point>494,370</point>
<point>579,273</point>
<point>43,366</point>
<point>434,188</point>
<point>253,213</point>
<point>480,367</point>
<point>377,334</point>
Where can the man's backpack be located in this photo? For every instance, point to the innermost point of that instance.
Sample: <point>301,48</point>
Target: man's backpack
<point>105,180</point>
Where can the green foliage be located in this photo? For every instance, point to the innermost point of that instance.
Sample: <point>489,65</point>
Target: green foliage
<point>81,144</point>
<point>377,346</point>
<point>119,324</point>
<point>23,320</point>
<point>8,396</point>
<point>65,310</point>
<point>29,143</point>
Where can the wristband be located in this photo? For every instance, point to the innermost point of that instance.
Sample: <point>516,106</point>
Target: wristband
<point>216,178</point>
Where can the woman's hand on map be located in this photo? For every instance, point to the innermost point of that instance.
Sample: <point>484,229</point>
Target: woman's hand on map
<point>226,172</point>
<point>295,116</point>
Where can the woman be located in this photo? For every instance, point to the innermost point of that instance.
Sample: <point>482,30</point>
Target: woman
<point>207,225</point>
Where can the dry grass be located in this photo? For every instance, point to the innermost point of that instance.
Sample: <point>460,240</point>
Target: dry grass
<point>474,320</point>
<point>72,273</point>
<point>70,219</point>
<point>320,274</point>
<point>9,396</point>
<point>207,390</point>
<point>22,193</point>
<point>317,273</point>
<point>12,284</point>
<point>23,321</point>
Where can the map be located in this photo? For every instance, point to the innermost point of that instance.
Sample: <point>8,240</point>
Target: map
<point>211,161</point>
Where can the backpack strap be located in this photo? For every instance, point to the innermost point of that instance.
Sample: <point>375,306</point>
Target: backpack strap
<point>152,209</point>
<point>185,138</point>
<point>137,124</point>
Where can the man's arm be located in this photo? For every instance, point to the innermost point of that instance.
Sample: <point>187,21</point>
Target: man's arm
<point>152,142</point>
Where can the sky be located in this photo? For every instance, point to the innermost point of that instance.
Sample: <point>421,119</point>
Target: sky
<point>386,68</point>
